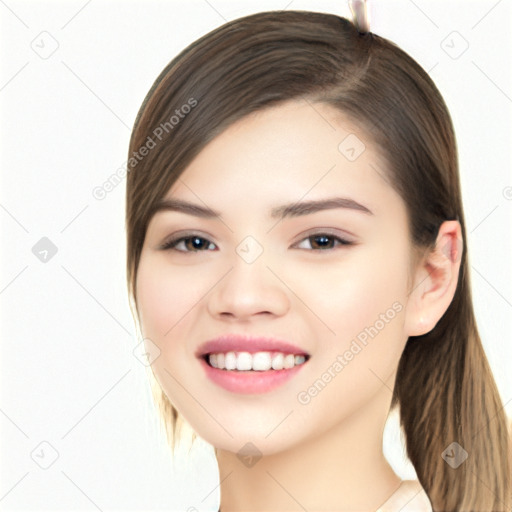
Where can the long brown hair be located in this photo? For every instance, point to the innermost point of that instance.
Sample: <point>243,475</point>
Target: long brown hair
<point>444,386</point>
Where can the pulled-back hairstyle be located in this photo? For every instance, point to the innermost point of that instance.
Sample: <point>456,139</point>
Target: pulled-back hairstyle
<point>444,386</point>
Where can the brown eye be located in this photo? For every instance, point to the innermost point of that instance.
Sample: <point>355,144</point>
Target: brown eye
<point>325,241</point>
<point>191,243</point>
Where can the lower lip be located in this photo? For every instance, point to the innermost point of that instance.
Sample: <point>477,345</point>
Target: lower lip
<point>247,382</point>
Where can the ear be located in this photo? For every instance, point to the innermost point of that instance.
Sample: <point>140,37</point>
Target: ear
<point>435,281</point>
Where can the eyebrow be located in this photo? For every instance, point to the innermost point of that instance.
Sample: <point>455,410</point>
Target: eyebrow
<point>280,212</point>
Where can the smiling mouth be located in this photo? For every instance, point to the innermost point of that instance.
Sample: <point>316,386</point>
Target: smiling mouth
<point>246,362</point>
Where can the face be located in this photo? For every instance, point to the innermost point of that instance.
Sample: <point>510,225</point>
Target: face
<point>332,282</point>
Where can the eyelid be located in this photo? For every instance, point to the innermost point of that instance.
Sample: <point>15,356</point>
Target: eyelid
<point>345,235</point>
<point>178,236</point>
<point>184,233</point>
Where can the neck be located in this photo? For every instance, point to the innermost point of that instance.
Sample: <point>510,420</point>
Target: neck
<point>341,469</point>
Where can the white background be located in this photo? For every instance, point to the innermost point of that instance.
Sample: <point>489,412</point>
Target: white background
<point>69,378</point>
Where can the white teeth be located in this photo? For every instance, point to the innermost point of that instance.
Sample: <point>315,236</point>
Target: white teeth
<point>259,361</point>
<point>289,361</point>
<point>230,361</point>
<point>244,361</point>
<point>277,362</point>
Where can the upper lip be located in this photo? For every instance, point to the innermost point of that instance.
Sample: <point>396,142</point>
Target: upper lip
<point>246,343</point>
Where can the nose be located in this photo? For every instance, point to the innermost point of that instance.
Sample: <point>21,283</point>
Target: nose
<point>248,289</point>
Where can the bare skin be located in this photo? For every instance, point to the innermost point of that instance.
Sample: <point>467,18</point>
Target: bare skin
<point>320,450</point>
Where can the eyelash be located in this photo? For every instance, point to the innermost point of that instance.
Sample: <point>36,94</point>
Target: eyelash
<point>171,244</point>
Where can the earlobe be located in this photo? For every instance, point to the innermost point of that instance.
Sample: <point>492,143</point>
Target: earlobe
<point>436,279</point>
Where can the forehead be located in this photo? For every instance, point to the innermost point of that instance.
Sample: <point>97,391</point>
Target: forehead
<point>286,152</point>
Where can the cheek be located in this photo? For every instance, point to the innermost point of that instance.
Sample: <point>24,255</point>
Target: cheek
<point>165,296</point>
<point>168,300</point>
<point>349,295</point>
<point>375,289</point>
<point>363,304</point>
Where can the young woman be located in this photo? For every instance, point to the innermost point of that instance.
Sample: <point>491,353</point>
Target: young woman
<point>296,257</point>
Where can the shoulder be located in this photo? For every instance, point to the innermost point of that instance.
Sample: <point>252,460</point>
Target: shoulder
<point>409,497</point>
